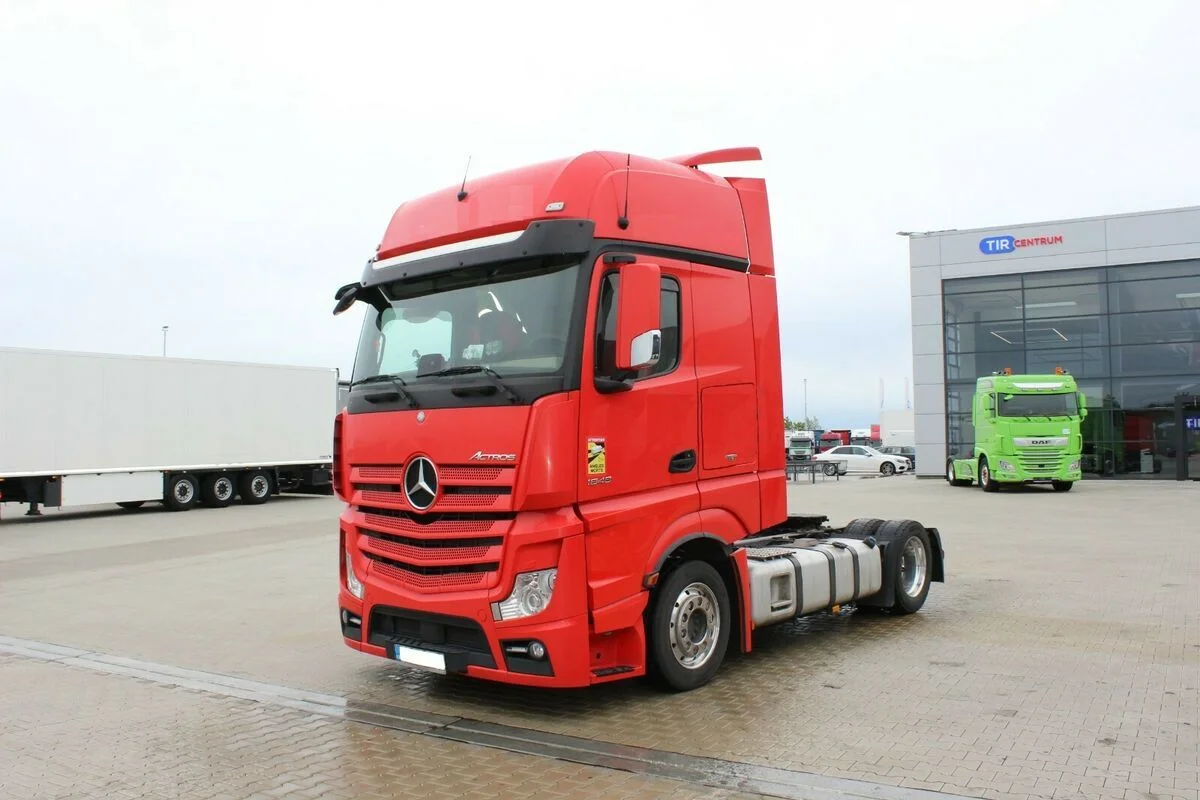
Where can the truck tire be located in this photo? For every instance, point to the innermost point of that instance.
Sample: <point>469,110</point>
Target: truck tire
<point>1062,486</point>
<point>950,477</point>
<point>887,469</point>
<point>913,563</point>
<point>689,627</point>
<point>182,492</point>
<point>254,487</point>
<point>986,482</point>
<point>217,491</point>
<point>862,527</point>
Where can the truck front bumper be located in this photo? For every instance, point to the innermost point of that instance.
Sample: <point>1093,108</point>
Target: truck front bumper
<point>1015,469</point>
<point>456,632</point>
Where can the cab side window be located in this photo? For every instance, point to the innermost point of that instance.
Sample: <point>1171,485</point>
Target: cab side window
<point>606,329</point>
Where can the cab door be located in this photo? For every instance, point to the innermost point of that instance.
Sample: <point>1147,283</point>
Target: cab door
<point>639,446</point>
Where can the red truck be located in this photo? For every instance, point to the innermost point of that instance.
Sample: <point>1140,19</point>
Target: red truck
<point>560,449</point>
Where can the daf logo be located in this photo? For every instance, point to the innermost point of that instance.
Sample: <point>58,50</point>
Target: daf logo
<point>420,483</point>
<point>482,456</point>
<point>1036,442</point>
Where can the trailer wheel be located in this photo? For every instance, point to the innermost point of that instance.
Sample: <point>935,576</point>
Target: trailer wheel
<point>182,492</point>
<point>913,563</point>
<point>985,476</point>
<point>689,627</point>
<point>217,491</point>
<point>255,487</point>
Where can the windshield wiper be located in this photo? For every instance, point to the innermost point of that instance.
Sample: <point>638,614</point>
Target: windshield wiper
<point>497,381</point>
<point>398,385</point>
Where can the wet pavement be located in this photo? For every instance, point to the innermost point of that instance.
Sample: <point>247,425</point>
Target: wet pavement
<point>1062,659</point>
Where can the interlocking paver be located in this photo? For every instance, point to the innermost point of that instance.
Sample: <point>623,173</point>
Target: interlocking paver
<point>1063,658</point>
<point>74,733</point>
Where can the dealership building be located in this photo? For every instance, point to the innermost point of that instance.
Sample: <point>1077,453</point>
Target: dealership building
<point>1114,301</point>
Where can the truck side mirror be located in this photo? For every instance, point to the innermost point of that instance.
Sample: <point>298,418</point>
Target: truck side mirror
<point>639,337</point>
<point>1083,411</point>
<point>345,297</point>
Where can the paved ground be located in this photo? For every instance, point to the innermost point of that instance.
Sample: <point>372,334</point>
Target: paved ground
<point>1061,660</point>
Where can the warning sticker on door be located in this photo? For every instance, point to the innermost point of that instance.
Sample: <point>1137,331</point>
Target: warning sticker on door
<point>595,457</point>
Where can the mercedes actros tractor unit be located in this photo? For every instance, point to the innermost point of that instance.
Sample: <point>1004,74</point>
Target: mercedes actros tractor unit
<point>560,450</point>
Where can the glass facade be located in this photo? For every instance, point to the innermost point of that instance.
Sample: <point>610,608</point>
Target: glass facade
<point>1130,335</point>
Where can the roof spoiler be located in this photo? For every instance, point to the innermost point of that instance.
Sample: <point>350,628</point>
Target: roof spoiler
<point>727,156</point>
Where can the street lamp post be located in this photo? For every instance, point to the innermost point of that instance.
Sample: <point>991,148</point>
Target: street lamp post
<point>164,331</point>
<point>805,402</point>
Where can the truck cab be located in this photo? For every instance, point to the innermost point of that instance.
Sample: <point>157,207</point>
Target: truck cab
<point>560,449</point>
<point>1026,431</point>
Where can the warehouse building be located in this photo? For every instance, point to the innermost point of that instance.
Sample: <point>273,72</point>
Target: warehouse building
<point>1113,300</point>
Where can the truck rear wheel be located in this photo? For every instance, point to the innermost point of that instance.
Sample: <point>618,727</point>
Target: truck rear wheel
<point>255,487</point>
<point>951,478</point>
<point>913,563</point>
<point>862,527</point>
<point>689,627</point>
<point>182,492</point>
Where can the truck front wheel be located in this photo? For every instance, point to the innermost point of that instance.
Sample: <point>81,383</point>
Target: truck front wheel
<point>1063,486</point>
<point>689,627</point>
<point>986,482</point>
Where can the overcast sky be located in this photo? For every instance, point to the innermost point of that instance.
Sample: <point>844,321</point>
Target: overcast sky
<point>222,167</point>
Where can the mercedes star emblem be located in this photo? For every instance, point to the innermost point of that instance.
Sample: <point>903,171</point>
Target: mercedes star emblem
<point>420,483</point>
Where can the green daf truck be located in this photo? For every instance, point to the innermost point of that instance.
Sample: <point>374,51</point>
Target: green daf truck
<point>1027,430</point>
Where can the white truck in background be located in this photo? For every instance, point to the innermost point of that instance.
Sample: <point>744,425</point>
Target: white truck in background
<point>897,428</point>
<point>83,429</point>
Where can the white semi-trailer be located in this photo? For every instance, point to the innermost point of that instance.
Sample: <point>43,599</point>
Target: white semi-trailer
<point>80,429</point>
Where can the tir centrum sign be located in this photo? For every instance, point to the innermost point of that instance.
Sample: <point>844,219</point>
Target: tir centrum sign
<point>996,245</point>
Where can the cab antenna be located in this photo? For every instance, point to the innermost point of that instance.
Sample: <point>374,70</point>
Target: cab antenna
<point>462,190</point>
<point>623,220</point>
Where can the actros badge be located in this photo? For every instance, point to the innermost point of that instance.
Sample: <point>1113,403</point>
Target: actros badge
<point>482,456</point>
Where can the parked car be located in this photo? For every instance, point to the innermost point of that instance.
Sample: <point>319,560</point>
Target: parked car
<point>908,451</point>
<point>858,458</point>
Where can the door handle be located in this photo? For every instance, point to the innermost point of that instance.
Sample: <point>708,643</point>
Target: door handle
<point>683,462</point>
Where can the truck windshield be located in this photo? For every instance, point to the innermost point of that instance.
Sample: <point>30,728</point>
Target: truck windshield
<point>514,320</point>
<point>1039,405</point>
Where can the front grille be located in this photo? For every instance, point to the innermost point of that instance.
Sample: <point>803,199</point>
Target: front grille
<point>1040,463</point>
<point>485,488</point>
<point>458,544</point>
<point>413,549</point>
<point>433,525</point>
<point>445,577</point>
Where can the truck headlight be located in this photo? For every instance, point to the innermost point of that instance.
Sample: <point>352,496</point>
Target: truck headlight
<point>530,595</point>
<point>352,582</point>
<point>1074,467</point>
<point>1005,466</point>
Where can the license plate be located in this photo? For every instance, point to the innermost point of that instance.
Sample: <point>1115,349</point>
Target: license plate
<point>425,659</point>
